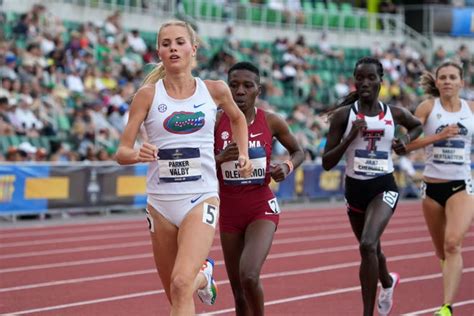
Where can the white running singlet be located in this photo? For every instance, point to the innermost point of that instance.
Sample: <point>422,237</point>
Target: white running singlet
<point>369,154</point>
<point>449,159</point>
<point>183,131</point>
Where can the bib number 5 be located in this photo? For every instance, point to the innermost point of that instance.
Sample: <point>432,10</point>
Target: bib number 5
<point>209,214</point>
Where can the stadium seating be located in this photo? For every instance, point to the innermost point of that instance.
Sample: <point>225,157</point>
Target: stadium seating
<point>318,66</point>
<point>318,16</point>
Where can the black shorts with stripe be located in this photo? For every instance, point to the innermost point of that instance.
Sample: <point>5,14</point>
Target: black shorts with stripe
<point>359,193</point>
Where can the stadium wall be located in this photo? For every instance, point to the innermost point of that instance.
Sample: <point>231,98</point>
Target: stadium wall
<point>39,188</point>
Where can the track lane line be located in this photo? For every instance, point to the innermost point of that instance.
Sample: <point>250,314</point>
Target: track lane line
<point>337,291</point>
<point>263,276</point>
<point>269,303</point>
<point>433,309</point>
<point>277,241</point>
<point>270,256</point>
<point>143,232</point>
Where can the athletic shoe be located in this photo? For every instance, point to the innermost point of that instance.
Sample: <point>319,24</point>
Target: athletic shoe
<point>385,300</point>
<point>445,310</point>
<point>208,293</point>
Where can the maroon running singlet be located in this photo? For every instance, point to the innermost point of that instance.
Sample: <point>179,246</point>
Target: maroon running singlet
<point>244,200</point>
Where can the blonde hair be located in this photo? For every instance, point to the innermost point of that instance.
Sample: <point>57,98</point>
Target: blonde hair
<point>158,72</point>
<point>428,80</point>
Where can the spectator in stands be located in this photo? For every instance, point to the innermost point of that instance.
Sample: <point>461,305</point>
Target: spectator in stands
<point>60,152</point>
<point>5,125</point>
<point>341,87</point>
<point>27,151</point>
<point>448,193</point>
<point>7,69</point>
<point>113,24</point>
<point>40,155</point>
<point>247,225</point>
<point>327,50</point>
<point>439,56</point>
<point>363,129</point>
<point>21,29</point>
<point>181,184</point>
<point>387,6</point>
<point>464,57</point>
<point>14,155</point>
<point>26,120</point>
<point>85,48</point>
<point>136,42</point>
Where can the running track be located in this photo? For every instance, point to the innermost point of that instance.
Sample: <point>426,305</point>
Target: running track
<point>106,268</point>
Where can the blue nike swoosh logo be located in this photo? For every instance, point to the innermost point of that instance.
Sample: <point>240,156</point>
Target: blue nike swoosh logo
<point>194,200</point>
<point>196,106</point>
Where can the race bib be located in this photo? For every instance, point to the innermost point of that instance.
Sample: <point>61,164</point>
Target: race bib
<point>370,163</point>
<point>179,164</point>
<point>231,175</point>
<point>274,207</point>
<point>449,152</point>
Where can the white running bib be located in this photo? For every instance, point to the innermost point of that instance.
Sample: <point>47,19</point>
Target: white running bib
<point>370,163</point>
<point>231,175</point>
<point>273,203</point>
<point>449,152</point>
<point>179,164</point>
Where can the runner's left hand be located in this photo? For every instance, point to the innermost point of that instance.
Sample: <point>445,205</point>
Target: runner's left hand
<point>279,172</point>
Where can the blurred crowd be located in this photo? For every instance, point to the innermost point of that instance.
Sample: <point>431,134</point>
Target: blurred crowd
<point>65,89</point>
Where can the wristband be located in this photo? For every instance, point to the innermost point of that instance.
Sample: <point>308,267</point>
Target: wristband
<point>290,166</point>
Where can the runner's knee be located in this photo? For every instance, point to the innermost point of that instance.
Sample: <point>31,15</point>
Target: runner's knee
<point>367,247</point>
<point>181,285</point>
<point>452,244</point>
<point>249,279</point>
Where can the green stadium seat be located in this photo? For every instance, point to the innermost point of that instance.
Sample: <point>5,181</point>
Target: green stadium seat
<point>209,10</point>
<point>274,16</point>
<point>149,38</point>
<point>189,7</point>
<point>256,14</point>
<point>14,140</point>
<point>364,22</point>
<point>333,15</point>
<point>307,5</point>
<point>314,19</point>
<point>34,141</point>
<point>320,7</point>
<point>4,144</point>
<point>63,123</point>
<point>349,17</point>
<point>45,143</point>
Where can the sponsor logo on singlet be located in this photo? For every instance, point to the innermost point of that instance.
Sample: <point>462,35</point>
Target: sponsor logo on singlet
<point>184,122</point>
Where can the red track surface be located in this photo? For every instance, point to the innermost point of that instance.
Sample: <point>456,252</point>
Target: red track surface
<point>107,268</point>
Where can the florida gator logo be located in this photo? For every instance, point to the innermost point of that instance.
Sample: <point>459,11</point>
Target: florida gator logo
<point>184,122</point>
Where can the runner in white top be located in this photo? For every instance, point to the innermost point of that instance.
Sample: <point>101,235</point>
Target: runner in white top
<point>362,128</point>
<point>449,159</point>
<point>448,200</point>
<point>186,163</point>
<point>370,156</point>
<point>179,114</point>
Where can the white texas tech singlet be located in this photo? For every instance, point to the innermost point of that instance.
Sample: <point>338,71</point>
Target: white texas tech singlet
<point>369,154</point>
<point>183,131</point>
<point>449,159</point>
